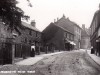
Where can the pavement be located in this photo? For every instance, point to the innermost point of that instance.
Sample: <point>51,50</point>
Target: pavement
<point>33,60</point>
<point>94,57</point>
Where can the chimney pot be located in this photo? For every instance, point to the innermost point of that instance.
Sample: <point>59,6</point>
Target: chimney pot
<point>54,20</point>
<point>57,18</point>
<point>83,26</point>
<point>33,23</point>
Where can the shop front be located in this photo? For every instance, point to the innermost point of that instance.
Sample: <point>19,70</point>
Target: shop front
<point>69,45</point>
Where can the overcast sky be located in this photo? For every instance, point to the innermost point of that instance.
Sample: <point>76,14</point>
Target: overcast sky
<point>45,11</point>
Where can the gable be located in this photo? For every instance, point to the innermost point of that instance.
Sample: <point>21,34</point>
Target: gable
<point>66,25</point>
<point>49,32</point>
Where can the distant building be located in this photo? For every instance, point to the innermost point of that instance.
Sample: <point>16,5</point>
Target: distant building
<point>77,35</point>
<point>95,32</point>
<point>59,35</point>
<point>85,38</point>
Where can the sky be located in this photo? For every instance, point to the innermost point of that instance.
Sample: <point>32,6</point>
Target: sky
<point>45,11</point>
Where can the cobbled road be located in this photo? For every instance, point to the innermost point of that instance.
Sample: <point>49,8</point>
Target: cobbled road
<point>67,63</point>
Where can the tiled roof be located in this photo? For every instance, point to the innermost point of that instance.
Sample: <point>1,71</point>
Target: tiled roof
<point>29,26</point>
<point>65,24</point>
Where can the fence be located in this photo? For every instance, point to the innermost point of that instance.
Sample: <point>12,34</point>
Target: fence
<point>22,50</point>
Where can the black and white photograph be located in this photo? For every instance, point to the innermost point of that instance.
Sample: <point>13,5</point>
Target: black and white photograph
<point>49,37</point>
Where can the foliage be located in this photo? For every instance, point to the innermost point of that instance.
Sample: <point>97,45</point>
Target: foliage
<point>10,14</point>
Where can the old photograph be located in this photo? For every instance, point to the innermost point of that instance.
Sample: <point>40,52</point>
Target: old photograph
<point>49,37</point>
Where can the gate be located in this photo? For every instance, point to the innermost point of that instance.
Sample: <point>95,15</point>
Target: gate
<point>5,53</point>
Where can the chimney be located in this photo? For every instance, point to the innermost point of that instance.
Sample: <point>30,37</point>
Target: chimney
<point>67,18</point>
<point>54,20</point>
<point>33,23</point>
<point>83,26</point>
<point>57,18</point>
<point>64,16</point>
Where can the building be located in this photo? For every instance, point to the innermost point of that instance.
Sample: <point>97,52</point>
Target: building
<point>30,35</point>
<point>58,35</point>
<point>17,43</point>
<point>74,28</point>
<point>85,38</point>
<point>95,32</point>
<point>77,35</point>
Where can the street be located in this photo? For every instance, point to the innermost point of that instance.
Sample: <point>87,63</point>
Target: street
<point>67,63</point>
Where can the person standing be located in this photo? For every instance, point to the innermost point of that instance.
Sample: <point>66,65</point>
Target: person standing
<point>32,51</point>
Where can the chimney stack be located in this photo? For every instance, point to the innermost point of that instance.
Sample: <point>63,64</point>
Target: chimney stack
<point>33,23</point>
<point>64,16</point>
<point>54,20</point>
<point>57,18</point>
<point>83,26</point>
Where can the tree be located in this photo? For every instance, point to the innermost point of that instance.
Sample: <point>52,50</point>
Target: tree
<point>10,14</point>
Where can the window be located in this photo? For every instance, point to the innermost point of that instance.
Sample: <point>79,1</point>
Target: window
<point>66,34</point>
<point>30,32</point>
<point>30,41</point>
<point>69,36</point>
<point>25,40</point>
<point>36,34</point>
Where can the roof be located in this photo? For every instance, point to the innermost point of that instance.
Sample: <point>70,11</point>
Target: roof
<point>65,24</point>
<point>84,33</point>
<point>97,13</point>
<point>29,26</point>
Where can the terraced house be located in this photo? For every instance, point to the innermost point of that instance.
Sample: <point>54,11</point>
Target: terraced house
<point>17,44</point>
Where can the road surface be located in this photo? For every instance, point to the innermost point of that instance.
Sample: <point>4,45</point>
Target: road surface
<point>67,63</point>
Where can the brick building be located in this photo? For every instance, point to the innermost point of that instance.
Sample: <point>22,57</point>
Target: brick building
<point>59,35</point>
<point>29,35</point>
<point>17,43</point>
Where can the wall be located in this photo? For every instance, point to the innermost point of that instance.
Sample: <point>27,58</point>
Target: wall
<point>77,37</point>
<point>85,43</point>
<point>58,39</point>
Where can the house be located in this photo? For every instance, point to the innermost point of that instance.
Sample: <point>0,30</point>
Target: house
<point>77,34</point>
<point>17,43</point>
<point>74,28</point>
<point>95,32</point>
<point>30,35</point>
<point>85,38</point>
<point>58,36</point>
